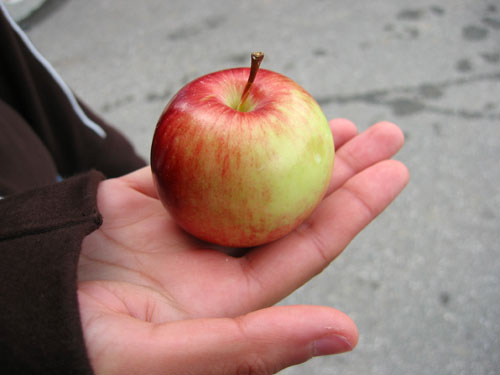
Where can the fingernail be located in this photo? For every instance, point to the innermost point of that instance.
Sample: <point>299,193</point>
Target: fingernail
<point>331,344</point>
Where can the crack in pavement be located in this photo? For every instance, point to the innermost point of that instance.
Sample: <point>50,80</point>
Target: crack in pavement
<point>412,99</point>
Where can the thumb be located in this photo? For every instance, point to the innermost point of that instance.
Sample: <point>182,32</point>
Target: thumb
<point>262,342</point>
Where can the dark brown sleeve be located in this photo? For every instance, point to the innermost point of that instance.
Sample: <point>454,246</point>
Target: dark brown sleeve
<point>46,135</point>
<point>41,232</point>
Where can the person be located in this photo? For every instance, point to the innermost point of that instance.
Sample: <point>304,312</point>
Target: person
<point>95,277</point>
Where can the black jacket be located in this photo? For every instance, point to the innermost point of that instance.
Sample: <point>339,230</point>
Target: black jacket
<point>53,153</point>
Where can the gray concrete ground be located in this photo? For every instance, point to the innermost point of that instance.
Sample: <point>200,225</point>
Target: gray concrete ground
<point>423,280</point>
<point>22,9</point>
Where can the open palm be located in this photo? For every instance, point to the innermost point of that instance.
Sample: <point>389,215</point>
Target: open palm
<point>154,300</point>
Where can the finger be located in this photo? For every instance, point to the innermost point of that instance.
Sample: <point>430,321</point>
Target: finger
<point>142,181</point>
<point>342,130</point>
<point>276,270</point>
<point>381,141</point>
<point>261,342</point>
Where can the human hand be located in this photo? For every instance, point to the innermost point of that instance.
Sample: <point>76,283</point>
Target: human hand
<point>154,300</point>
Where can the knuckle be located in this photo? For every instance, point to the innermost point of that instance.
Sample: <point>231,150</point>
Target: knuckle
<point>254,366</point>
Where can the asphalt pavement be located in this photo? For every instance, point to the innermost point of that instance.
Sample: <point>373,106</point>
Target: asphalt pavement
<point>423,280</point>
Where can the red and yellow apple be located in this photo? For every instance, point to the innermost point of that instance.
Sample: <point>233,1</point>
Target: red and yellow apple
<point>241,157</point>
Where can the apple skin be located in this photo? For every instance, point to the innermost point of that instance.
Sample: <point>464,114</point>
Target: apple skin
<point>241,178</point>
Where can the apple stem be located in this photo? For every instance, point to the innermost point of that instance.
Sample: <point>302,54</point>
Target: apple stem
<point>257,58</point>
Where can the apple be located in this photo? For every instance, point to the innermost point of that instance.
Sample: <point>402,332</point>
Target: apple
<point>241,157</point>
